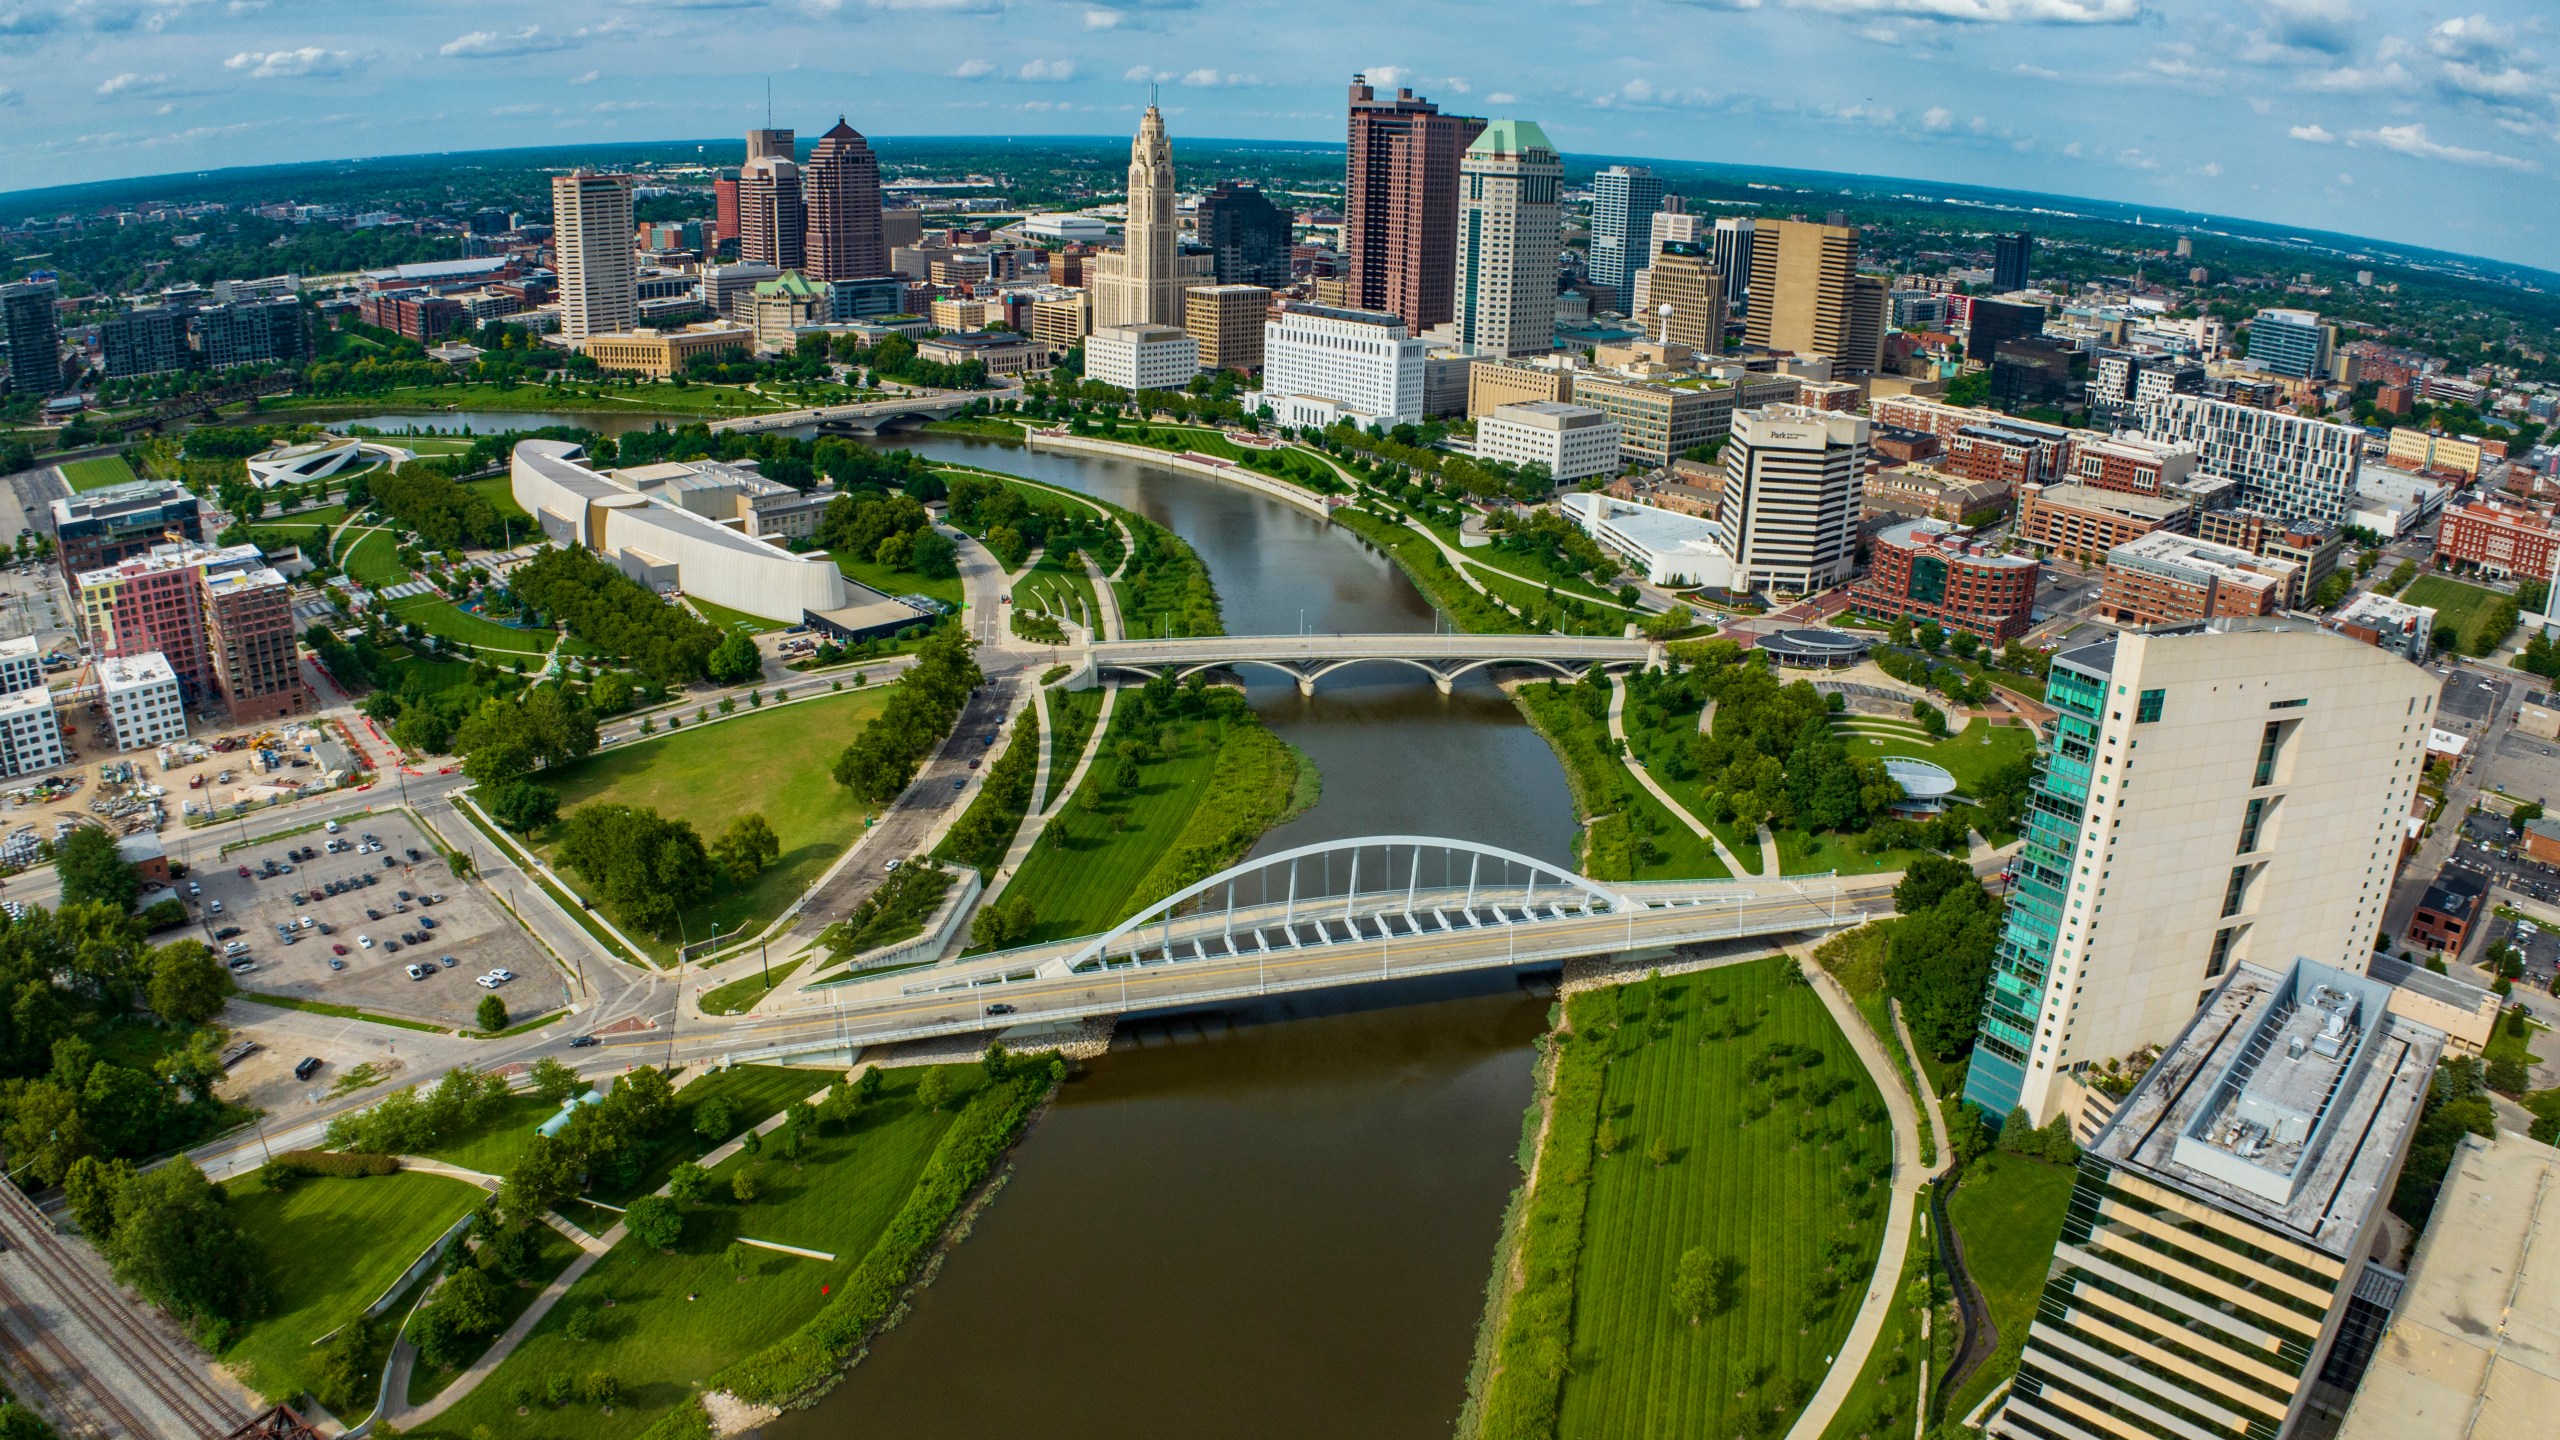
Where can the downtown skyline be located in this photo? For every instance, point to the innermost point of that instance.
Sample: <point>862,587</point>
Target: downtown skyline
<point>2427,126</point>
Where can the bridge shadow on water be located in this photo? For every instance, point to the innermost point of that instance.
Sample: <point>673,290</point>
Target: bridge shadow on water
<point>1210,1024</point>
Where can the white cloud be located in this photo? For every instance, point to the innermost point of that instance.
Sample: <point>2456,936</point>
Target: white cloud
<point>973,69</point>
<point>2508,85</point>
<point>2411,139</point>
<point>2475,38</point>
<point>2324,25</point>
<point>587,79</point>
<point>1140,74</point>
<point>1204,76</point>
<point>2211,169</point>
<point>526,41</point>
<point>979,6</point>
<point>1502,97</point>
<point>2357,79</point>
<point>1047,70</point>
<point>2316,134</point>
<point>1936,117</point>
<point>520,110</point>
<point>1980,12</point>
<point>1103,19</point>
<point>1387,78</point>
<point>308,60</point>
<point>1459,84</point>
<point>129,82</point>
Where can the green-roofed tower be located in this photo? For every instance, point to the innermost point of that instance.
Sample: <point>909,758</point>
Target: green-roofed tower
<point>1508,228</point>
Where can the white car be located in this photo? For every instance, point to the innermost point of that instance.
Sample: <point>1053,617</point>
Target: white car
<point>487,982</point>
<point>333,827</point>
<point>502,975</point>
<point>365,940</point>
<point>214,905</point>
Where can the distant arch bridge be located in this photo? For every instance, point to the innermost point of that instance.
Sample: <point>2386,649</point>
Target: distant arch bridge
<point>1309,658</point>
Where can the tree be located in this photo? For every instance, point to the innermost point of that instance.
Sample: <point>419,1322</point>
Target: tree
<point>646,868</point>
<point>2508,1074</point>
<point>656,1221</point>
<point>1928,880</point>
<point>91,870</point>
<point>743,1187</point>
<point>188,985</point>
<point>1938,961</point>
<point>736,659</point>
<point>689,1184</point>
<point>746,848</point>
<point>600,1389</point>
<point>1689,1282</point>
<point>543,1177</point>
<point>523,805</point>
<point>346,1382</point>
<point>931,554</point>
<point>711,1120</point>
<point>466,1309</point>
<point>2332,588</point>
<point>1004,924</point>
<point>492,1014</point>
<point>937,1089</point>
<point>175,1242</point>
<point>556,1083</point>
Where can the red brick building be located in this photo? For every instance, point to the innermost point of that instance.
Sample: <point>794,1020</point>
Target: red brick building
<point>2128,464</point>
<point>423,318</point>
<point>2083,524</point>
<point>1929,570</point>
<point>2497,539</point>
<point>2169,579</point>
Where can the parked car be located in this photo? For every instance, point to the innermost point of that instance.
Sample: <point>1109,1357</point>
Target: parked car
<point>337,949</point>
<point>307,1067</point>
<point>366,941</point>
<point>214,905</point>
<point>244,872</point>
<point>486,982</point>
<point>226,932</point>
<point>417,972</point>
<point>504,975</point>
<point>194,889</point>
<point>447,961</point>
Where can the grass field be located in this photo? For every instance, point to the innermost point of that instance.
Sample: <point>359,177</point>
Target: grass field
<point>728,619</point>
<point>1634,837</point>
<point>554,1254</point>
<point>1430,571</point>
<point>1657,745</point>
<point>499,491</point>
<point>372,559</point>
<point>1678,1129</point>
<point>1529,595</point>
<point>1071,717</point>
<point>742,994</point>
<point>98,472</point>
<point>439,616</point>
<point>673,399</point>
<point>656,1340</point>
<point>2007,1215</point>
<point>1888,1384</point>
<point>2464,607</point>
<point>494,1148</point>
<point>899,582</point>
<point>1050,588</point>
<point>1856,959</point>
<point>694,774</point>
<point>752,1093</point>
<point>329,1248</point>
<point>1970,755</point>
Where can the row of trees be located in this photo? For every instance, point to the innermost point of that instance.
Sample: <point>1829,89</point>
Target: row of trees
<point>511,736</point>
<point>648,869</point>
<point>922,707</point>
<point>1772,755</point>
<point>892,530</point>
<point>1940,953</point>
<point>614,613</point>
<point>423,496</point>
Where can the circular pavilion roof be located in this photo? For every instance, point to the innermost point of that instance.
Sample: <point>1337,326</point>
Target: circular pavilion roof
<point>1918,778</point>
<point>1828,647</point>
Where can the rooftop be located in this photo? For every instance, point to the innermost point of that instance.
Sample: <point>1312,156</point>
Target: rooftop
<point>2088,497</point>
<point>2284,1102</point>
<point>1949,539</point>
<point>1511,137</point>
<point>125,672</point>
<point>2473,1350</point>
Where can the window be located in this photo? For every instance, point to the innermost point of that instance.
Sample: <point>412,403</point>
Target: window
<point>2236,892</point>
<point>2267,752</point>
<point>2148,708</point>
<point>2289,704</point>
<point>2221,956</point>
<point>2249,823</point>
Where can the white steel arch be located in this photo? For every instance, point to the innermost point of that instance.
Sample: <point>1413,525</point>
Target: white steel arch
<point>1594,896</point>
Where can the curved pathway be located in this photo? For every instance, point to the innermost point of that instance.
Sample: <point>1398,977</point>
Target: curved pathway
<point>1644,777</point>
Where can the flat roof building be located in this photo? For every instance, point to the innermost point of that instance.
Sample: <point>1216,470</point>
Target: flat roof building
<point>1930,570</point>
<point>1321,363</point>
<point>1226,321</point>
<point>2395,625</point>
<point>2169,579</point>
<point>144,704</point>
<point>1669,547</point>
<point>660,354</point>
<point>1001,352</point>
<point>97,528</point>
<point>2076,522</point>
<point>1141,357</point>
<point>1790,503</point>
<point>30,733</point>
<point>1574,442</point>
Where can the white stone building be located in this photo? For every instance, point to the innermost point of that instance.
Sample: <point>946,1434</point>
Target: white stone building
<point>1321,364</point>
<point>1141,357</point>
<point>144,704</point>
<point>1574,442</point>
<point>30,734</point>
<point>21,665</point>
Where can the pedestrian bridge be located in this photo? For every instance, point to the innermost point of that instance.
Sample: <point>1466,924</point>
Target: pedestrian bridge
<point>869,417</point>
<point>1345,912</point>
<point>1309,658</point>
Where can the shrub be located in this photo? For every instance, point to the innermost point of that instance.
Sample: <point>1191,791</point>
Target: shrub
<point>293,1165</point>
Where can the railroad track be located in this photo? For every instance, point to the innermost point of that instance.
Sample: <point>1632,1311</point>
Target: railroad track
<point>190,1397</point>
<point>57,1370</point>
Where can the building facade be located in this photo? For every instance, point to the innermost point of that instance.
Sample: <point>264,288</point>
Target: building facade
<point>30,733</point>
<point>2129,464</point>
<point>1247,236</point>
<point>1495,383</point>
<point>841,196</point>
<point>773,213</point>
<point>591,248</point>
<point>2497,539</point>
<point>1226,322</point>
<point>145,340</point>
<point>1656,423</point>
<point>145,706</point>
<point>2168,579</point>
<point>1400,205</point>
<point>252,332</point>
<point>1623,201</point>
<point>1792,478</point>
<point>34,333</point>
<point>97,528</point>
<point>2010,255</point>
<point>2292,343</point>
<point>1355,362</point>
<point>1801,276</point>
<point>1509,226</point>
<point>1574,442</point>
<point>1141,357</point>
<point>2208,795</point>
<point>659,354</point>
<point>2313,550</point>
<point>1736,243</point>
<point>1140,285</point>
<point>1923,570</point>
<point>1685,283</point>
<point>2077,522</point>
<point>2288,465</point>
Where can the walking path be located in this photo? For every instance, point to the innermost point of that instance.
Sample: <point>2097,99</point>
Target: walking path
<point>1770,863</point>
<point>1644,777</point>
<point>1033,824</point>
<point>1884,1286</point>
<point>1105,597</point>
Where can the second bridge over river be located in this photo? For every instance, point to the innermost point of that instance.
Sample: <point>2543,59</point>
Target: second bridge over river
<point>1309,658</point>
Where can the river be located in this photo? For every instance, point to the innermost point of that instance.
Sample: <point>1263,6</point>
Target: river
<point>1274,1223</point>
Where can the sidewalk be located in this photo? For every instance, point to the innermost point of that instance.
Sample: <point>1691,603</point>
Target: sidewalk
<point>1644,777</point>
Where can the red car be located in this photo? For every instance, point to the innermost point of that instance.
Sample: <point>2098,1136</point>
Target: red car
<point>337,949</point>
<point>244,872</point>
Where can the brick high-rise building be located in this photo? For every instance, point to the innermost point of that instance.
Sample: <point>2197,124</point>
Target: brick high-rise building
<point>841,190</point>
<point>248,612</point>
<point>1400,205</point>
<point>773,214</point>
<point>223,618</point>
<point>1931,570</point>
<point>97,528</point>
<point>591,250</point>
<point>724,213</point>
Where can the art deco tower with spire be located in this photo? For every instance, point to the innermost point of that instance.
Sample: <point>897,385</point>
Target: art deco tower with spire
<point>1143,284</point>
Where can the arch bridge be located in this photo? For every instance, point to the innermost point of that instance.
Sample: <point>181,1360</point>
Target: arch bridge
<point>1342,912</point>
<point>1309,658</point>
<point>868,417</point>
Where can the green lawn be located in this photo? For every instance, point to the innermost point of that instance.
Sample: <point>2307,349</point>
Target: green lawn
<point>439,616</point>
<point>2007,1215</point>
<point>656,1338</point>
<point>743,993</point>
<point>1675,1147</point>
<point>1662,746</point>
<point>696,774</point>
<point>96,473</point>
<point>752,1092</point>
<point>1634,837</point>
<point>1071,717</point>
<point>329,1248</point>
<point>302,521</point>
<point>1800,853</point>
<point>728,619</point>
<point>1595,618</point>
<point>555,1254</point>
<point>645,397</point>
<point>494,1147</point>
<point>372,559</point>
<point>2464,607</point>
<point>1888,1384</point>
<point>899,582</point>
<point>1970,755</point>
<point>500,492</point>
<point>1050,588</point>
<point>1430,571</point>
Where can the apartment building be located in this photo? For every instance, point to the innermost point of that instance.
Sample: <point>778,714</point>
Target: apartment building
<point>2219,1227</point>
<point>2128,464</point>
<point>2314,550</point>
<point>2169,579</point>
<point>2077,522</point>
<point>30,733</point>
<point>2405,630</point>
<point>219,620</point>
<point>1924,570</point>
<point>2288,465</point>
<point>145,705</point>
<point>2497,539</point>
<point>97,528</point>
<point>2209,794</point>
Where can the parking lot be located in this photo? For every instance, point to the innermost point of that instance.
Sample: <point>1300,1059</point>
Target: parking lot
<point>359,945</point>
<point>2469,699</point>
<point>2541,947</point>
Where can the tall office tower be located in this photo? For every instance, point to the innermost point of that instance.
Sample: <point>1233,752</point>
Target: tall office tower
<point>2009,261</point>
<point>1801,276</point>
<point>1141,285</point>
<point>2287,465</point>
<point>1683,277</point>
<point>1793,476</point>
<point>34,336</point>
<point>2215,1261</point>
<point>1623,199</point>
<point>1400,205</point>
<point>1668,226</point>
<point>2263,823</point>
<point>724,212</point>
<point>1862,350</point>
<point>770,144</point>
<point>773,215</point>
<point>1247,235</point>
<point>1509,226</point>
<point>591,249</point>
<point>2292,342</point>
<point>1734,248</point>
<point>841,190</point>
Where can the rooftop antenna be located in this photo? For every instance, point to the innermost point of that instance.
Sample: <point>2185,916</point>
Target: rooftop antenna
<point>768,102</point>
<point>1151,95</point>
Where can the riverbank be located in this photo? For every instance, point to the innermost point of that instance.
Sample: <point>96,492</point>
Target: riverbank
<point>1708,1200</point>
<point>1626,833</point>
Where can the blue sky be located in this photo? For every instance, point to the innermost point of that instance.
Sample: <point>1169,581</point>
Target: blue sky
<point>2424,122</point>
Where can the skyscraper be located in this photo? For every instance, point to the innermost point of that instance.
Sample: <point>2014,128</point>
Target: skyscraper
<point>2292,342</point>
<point>1862,347</point>
<point>591,249</point>
<point>2009,261</point>
<point>34,335</point>
<point>1623,199</point>
<point>1801,276</point>
<point>1400,205</point>
<point>1792,480</point>
<point>1734,235</point>
<point>1508,229</point>
<point>2213,793</point>
<point>770,144</point>
<point>1141,285</point>
<point>841,190</point>
<point>1683,278</point>
<point>773,216</point>
<point>1247,235</point>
